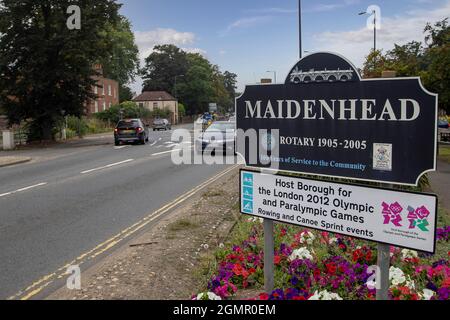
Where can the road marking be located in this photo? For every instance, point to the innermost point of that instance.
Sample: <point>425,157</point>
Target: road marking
<point>45,281</point>
<point>107,166</point>
<point>153,143</point>
<point>120,147</point>
<point>165,152</point>
<point>23,189</point>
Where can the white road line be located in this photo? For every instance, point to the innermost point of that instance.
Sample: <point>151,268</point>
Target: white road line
<point>23,189</point>
<point>153,143</point>
<point>107,166</point>
<point>170,151</point>
<point>120,147</point>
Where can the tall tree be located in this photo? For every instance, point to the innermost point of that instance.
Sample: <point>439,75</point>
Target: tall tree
<point>196,89</point>
<point>162,67</point>
<point>46,69</point>
<point>122,61</point>
<point>437,75</point>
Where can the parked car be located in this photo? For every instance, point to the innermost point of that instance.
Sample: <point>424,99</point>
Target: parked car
<point>220,136</point>
<point>161,124</point>
<point>131,130</point>
<point>443,123</point>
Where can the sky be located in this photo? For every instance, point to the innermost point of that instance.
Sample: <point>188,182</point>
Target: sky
<point>251,37</point>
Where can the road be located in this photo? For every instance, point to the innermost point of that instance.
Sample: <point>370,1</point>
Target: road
<point>54,210</point>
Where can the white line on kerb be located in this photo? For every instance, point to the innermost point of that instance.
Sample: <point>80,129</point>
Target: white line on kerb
<point>23,189</point>
<point>107,166</point>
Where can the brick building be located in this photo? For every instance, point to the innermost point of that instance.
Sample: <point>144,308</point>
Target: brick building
<point>107,92</point>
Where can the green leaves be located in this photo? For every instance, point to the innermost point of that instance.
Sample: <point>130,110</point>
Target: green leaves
<point>190,77</point>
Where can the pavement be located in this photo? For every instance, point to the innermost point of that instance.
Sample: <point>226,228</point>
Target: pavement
<point>440,183</point>
<point>67,201</point>
<point>10,161</point>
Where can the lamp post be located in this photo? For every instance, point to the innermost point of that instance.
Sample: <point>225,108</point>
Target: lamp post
<point>300,28</point>
<point>274,76</point>
<point>374,27</point>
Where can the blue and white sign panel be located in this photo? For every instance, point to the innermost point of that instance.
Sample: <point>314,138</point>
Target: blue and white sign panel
<point>399,218</point>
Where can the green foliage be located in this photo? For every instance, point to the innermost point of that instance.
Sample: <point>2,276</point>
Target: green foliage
<point>181,110</point>
<point>48,69</point>
<point>413,59</point>
<point>129,110</point>
<point>162,66</point>
<point>77,125</point>
<point>190,77</point>
<point>125,93</point>
<point>122,64</point>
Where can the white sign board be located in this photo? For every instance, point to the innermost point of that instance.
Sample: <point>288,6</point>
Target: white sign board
<point>399,218</point>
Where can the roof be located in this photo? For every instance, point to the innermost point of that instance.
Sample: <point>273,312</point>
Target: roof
<point>154,96</point>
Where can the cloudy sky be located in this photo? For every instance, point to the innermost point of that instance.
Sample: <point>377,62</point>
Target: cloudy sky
<point>250,37</point>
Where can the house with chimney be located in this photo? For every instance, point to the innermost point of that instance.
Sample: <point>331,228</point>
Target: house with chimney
<point>152,100</point>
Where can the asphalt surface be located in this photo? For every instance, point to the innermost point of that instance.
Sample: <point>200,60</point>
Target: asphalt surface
<point>55,209</point>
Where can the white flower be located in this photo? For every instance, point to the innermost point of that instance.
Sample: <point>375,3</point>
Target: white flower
<point>221,246</point>
<point>409,254</point>
<point>427,294</point>
<point>325,295</point>
<point>301,254</point>
<point>307,237</point>
<point>333,240</point>
<point>208,296</point>
<point>396,276</point>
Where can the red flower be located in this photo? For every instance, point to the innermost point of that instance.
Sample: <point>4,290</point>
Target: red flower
<point>237,269</point>
<point>252,270</point>
<point>283,232</point>
<point>277,260</point>
<point>317,273</point>
<point>299,298</point>
<point>357,254</point>
<point>331,268</point>
<point>369,256</point>
<point>264,296</point>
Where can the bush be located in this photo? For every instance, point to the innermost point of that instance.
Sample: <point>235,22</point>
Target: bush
<point>77,125</point>
<point>129,110</point>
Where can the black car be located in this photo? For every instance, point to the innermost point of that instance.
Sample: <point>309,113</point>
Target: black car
<point>131,130</point>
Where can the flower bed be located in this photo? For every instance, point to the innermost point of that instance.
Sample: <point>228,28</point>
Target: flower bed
<point>312,265</point>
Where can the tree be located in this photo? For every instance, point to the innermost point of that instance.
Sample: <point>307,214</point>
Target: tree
<point>195,89</point>
<point>162,66</point>
<point>406,60</point>
<point>437,76</point>
<point>413,59</point>
<point>374,65</point>
<point>46,70</point>
<point>125,93</point>
<point>122,61</point>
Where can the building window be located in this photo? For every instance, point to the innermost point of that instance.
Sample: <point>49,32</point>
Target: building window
<point>95,89</point>
<point>104,105</point>
<point>141,104</point>
<point>155,105</point>
<point>110,105</point>
<point>96,106</point>
<point>109,90</point>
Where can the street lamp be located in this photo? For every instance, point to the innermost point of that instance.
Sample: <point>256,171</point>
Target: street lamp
<point>274,75</point>
<point>374,12</point>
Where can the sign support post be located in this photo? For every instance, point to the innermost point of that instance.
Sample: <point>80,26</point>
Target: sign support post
<point>383,264</point>
<point>268,256</point>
